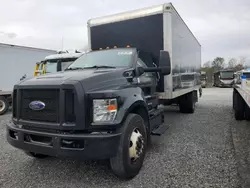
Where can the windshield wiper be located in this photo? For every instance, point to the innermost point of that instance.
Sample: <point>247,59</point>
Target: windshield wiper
<point>74,68</point>
<point>99,66</point>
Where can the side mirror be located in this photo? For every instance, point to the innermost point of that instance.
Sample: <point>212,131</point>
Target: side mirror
<point>164,62</point>
<point>164,67</point>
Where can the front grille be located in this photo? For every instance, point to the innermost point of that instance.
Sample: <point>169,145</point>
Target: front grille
<point>50,97</point>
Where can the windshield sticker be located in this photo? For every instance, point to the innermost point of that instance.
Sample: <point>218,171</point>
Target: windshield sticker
<point>124,53</point>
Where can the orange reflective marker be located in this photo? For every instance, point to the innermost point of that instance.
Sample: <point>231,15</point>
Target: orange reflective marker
<point>111,107</point>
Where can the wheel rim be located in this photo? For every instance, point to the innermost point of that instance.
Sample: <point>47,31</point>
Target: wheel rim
<point>136,146</point>
<point>2,105</point>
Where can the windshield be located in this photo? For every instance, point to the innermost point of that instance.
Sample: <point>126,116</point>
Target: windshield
<point>226,75</point>
<point>187,77</point>
<point>110,58</point>
<point>51,66</point>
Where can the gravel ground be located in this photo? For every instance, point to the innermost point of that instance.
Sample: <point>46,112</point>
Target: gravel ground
<point>196,151</point>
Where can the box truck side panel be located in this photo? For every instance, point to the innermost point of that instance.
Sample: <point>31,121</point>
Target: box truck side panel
<point>186,57</point>
<point>16,62</point>
<point>144,33</point>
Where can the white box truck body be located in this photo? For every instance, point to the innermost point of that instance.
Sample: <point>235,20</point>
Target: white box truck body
<point>151,30</point>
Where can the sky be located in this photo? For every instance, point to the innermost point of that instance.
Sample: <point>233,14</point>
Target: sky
<point>222,27</point>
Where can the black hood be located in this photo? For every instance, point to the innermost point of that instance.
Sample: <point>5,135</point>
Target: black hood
<point>91,79</point>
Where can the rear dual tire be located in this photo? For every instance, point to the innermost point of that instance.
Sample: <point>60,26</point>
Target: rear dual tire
<point>187,103</point>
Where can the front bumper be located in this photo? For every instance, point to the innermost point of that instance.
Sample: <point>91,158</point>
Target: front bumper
<point>226,84</point>
<point>83,145</point>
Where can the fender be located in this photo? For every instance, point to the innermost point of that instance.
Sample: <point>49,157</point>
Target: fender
<point>131,98</point>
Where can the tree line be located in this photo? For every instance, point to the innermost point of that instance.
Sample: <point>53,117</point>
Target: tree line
<point>219,63</point>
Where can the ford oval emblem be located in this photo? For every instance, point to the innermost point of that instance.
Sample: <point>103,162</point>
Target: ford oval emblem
<point>37,105</point>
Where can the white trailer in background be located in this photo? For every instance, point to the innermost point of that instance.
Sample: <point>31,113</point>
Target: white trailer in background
<point>15,62</point>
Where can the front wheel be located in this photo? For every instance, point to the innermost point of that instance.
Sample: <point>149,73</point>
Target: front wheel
<point>132,148</point>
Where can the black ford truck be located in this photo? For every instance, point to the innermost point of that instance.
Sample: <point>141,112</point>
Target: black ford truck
<point>105,105</point>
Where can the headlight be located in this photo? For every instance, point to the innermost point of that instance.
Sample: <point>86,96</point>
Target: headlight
<point>104,109</point>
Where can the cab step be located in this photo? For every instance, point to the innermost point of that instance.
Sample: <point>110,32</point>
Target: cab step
<point>161,129</point>
<point>158,127</point>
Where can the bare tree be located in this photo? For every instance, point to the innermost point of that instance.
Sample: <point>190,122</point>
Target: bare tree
<point>242,60</point>
<point>238,67</point>
<point>232,63</point>
<point>207,64</point>
<point>218,63</point>
<point>247,63</point>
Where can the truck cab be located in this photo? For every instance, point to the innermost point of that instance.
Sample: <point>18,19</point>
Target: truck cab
<point>56,62</point>
<point>224,78</point>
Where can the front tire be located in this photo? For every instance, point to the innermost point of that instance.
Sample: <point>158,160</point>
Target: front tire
<point>132,148</point>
